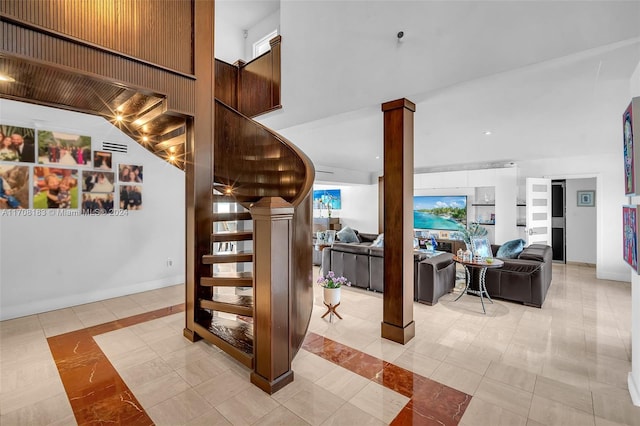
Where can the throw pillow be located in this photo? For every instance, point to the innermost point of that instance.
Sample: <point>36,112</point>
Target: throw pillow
<point>347,235</point>
<point>511,249</point>
<point>481,247</point>
<point>379,241</point>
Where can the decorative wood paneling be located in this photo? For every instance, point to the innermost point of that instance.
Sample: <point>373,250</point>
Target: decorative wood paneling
<point>259,87</point>
<point>158,31</point>
<point>226,88</point>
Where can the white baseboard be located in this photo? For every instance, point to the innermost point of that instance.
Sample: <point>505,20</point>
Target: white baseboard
<point>40,306</point>
<point>634,390</point>
<point>614,276</point>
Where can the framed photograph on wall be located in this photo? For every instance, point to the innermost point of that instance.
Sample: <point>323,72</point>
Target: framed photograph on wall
<point>14,186</point>
<point>102,160</point>
<point>631,123</point>
<point>55,188</point>
<point>586,198</point>
<point>17,144</point>
<point>630,236</point>
<point>130,173</point>
<point>65,149</point>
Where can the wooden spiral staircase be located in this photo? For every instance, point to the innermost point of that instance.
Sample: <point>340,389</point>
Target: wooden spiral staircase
<point>253,295</point>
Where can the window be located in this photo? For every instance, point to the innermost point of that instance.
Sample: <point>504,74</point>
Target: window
<point>261,46</point>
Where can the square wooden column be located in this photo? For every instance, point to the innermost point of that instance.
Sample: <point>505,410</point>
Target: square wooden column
<point>272,236</point>
<point>397,319</point>
<point>199,162</point>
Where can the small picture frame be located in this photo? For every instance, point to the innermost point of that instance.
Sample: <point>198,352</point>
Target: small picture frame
<point>586,198</point>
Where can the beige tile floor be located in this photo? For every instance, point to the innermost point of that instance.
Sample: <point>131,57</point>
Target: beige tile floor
<point>564,364</point>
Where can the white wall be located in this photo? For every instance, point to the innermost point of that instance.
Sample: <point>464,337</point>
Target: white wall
<point>359,206</point>
<point>49,263</point>
<point>581,223</point>
<point>259,30</point>
<point>229,41</point>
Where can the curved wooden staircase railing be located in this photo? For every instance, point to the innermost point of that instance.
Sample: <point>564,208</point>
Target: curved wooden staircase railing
<point>256,304</point>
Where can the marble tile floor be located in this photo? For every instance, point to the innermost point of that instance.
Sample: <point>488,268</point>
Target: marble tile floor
<point>564,364</point>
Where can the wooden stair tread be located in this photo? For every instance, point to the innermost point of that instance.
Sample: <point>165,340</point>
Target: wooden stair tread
<point>226,217</point>
<point>238,334</point>
<point>234,299</point>
<point>228,279</point>
<point>229,303</point>
<point>210,259</point>
<point>232,236</point>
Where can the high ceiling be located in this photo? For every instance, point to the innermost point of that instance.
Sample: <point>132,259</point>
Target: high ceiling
<point>545,78</point>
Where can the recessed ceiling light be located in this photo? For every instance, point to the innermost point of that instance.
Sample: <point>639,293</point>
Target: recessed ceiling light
<point>377,157</point>
<point>119,117</point>
<point>172,158</point>
<point>145,139</point>
<point>487,132</point>
<point>7,78</point>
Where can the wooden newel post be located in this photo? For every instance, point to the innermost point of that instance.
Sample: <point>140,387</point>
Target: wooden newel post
<point>272,236</point>
<point>397,316</point>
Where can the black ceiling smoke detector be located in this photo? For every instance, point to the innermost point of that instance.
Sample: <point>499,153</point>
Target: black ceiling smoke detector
<point>400,35</point>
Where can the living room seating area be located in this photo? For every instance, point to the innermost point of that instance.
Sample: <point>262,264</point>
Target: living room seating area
<point>525,276</point>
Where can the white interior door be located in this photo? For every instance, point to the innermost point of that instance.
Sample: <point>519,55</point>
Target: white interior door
<point>538,211</point>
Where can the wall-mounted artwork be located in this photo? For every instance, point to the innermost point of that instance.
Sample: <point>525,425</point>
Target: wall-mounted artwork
<point>630,235</point>
<point>131,197</point>
<point>102,160</point>
<point>322,197</point>
<point>17,144</point>
<point>55,188</point>
<point>63,148</point>
<point>14,186</point>
<point>97,181</point>
<point>586,198</point>
<point>631,122</point>
<point>130,173</point>
<point>97,203</point>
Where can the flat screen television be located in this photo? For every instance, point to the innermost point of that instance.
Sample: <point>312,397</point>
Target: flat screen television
<point>441,212</point>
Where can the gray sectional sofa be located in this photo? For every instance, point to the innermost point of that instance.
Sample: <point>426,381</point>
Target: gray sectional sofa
<point>363,265</point>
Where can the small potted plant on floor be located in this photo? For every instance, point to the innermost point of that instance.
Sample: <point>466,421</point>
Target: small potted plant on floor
<point>331,287</point>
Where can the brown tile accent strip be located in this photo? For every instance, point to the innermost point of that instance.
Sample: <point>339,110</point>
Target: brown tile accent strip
<point>97,393</point>
<point>431,402</point>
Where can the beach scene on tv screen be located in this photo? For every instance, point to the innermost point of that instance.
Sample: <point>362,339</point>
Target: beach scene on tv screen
<point>445,212</point>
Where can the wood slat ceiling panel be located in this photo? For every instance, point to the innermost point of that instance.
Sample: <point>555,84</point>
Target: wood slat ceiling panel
<point>47,85</point>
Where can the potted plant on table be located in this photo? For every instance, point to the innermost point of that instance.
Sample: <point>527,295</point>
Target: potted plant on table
<point>474,230</point>
<point>331,287</point>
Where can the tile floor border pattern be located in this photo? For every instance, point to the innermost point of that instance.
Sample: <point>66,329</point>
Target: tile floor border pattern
<point>430,402</point>
<point>98,394</point>
<point>95,390</point>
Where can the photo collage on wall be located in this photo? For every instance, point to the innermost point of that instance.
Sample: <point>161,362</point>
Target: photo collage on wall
<point>46,169</point>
